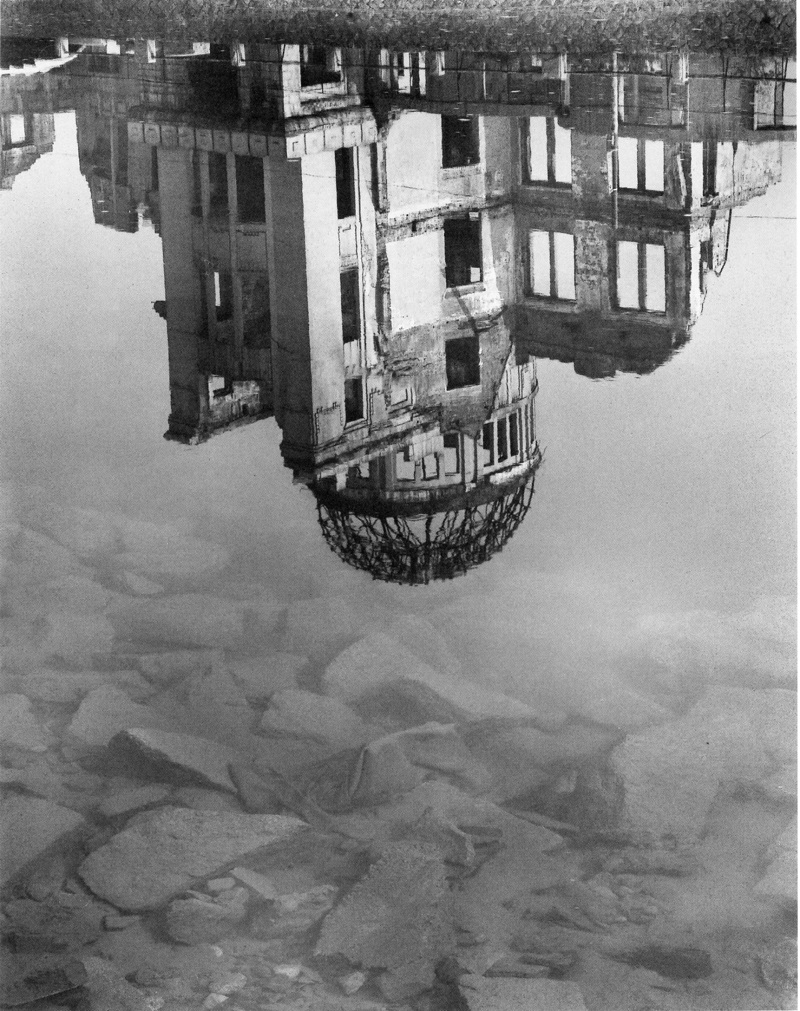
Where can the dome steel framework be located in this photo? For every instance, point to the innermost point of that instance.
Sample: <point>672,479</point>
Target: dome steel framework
<point>428,545</point>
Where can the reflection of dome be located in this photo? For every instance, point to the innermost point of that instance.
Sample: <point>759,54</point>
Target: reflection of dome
<point>419,547</point>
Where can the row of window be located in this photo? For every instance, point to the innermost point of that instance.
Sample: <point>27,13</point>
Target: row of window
<point>640,271</point>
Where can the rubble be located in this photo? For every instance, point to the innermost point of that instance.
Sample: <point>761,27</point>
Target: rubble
<point>201,760</point>
<point>161,852</point>
<point>504,994</point>
<point>196,920</point>
<point>187,619</point>
<point>305,714</point>
<point>260,679</point>
<point>19,727</point>
<point>105,712</point>
<point>30,826</point>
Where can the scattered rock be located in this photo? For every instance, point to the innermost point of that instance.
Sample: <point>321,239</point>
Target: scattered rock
<point>105,712</point>
<point>202,760</point>
<point>261,678</point>
<point>319,626</point>
<point>139,585</point>
<point>352,982</point>
<point>481,993</point>
<point>175,665</point>
<point>67,687</point>
<point>260,883</point>
<point>517,968</point>
<point>28,827</point>
<point>674,963</point>
<point>76,637</point>
<point>25,979</point>
<point>19,727</point>
<point>110,991</point>
<point>203,921</point>
<point>672,863</point>
<point>396,917</point>
<point>305,714</point>
<point>187,619</point>
<point>378,660</point>
<point>777,964</point>
<point>383,771</point>
<point>126,801</point>
<point>297,911</point>
<point>160,853</point>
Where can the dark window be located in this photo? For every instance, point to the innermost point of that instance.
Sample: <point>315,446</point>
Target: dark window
<point>314,69</point>
<point>218,181</point>
<point>452,453</point>
<point>502,440</point>
<point>154,169</point>
<point>459,141</point>
<point>122,152</point>
<point>513,435</point>
<point>351,317</point>
<point>353,399</point>
<point>462,252</point>
<point>488,443</point>
<point>345,183</point>
<point>462,362</point>
<point>250,200</point>
<point>197,204</point>
<point>254,286</point>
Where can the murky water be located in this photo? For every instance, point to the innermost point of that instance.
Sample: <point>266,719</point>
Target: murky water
<point>399,559</point>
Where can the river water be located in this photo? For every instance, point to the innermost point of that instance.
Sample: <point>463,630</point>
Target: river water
<point>545,419</point>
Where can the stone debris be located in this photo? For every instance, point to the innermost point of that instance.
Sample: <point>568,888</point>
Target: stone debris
<point>201,760</point>
<point>110,991</point>
<point>187,619</point>
<point>674,963</point>
<point>160,853</point>
<point>19,727</point>
<point>175,665</point>
<point>508,994</point>
<point>77,638</point>
<point>125,801</point>
<point>305,714</point>
<point>260,679</point>
<point>397,916</point>
<point>105,712</point>
<point>25,980</point>
<point>196,920</point>
<point>28,827</point>
<point>297,911</point>
<point>139,586</point>
<point>200,799</point>
<point>352,982</point>
<point>69,687</point>
<point>259,883</point>
<point>780,880</point>
<point>114,921</point>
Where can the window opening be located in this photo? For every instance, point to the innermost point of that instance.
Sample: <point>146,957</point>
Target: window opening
<point>462,362</point>
<point>552,264</point>
<point>317,66</point>
<point>218,181</point>
<point>641,277</point>
<point>223,294</point>
<point>460,145</point>
<point>345,183</point>
<point>452,453</point>
<point>16,129</point>
<point>250,198</point>
<point>351,315</point>
<point>641,165</point>
<point>513,434</point>
<point>353,399</point>
<point>502,440</point>
<point>549,151</point>
<point>462,252</point>
<point>488,444</point>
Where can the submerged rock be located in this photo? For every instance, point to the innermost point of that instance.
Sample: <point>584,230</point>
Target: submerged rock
<point>674,963</point>
<point>160,853</point>
<point>305,714</point>
<point>260,678</point>
<point>19,727</point>
<point>185,619</point>
<point>396,917</point>
<point>104,712</point>
<point>204,761</point>
<point>780,880</point>
<point>482,993</point>
<point>196,921</point>
<point>28,827</point>
<point>71,686</point>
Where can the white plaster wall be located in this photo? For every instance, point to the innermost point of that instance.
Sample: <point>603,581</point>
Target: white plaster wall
<point>413,162</point>
<point>416,279</point>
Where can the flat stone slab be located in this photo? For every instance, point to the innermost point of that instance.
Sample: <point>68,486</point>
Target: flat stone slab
<point>28,827</point>
<point>205,761</point>
<point>483,993</point>
<point>106,711</point>
<point>19,727</point>
<point>161,853</point>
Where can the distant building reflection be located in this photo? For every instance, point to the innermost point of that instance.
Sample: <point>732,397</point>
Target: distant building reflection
<point>376,246</point>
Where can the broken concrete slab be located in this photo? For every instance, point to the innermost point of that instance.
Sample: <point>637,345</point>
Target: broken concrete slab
<point>261,677</point>
<point>104,712</point>
<point>183,619</point>
<point>19,727</point>
<point>202,761</point>
<point>307,714</point>
<point>398,915</point>
<point>161,853</point>
<point>378,660</point>
<point>481,993</point>
<point>28,827</point>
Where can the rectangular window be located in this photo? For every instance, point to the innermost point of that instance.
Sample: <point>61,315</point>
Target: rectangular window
<point>513,435</point>
<point>459,141</point>
<point>345,183</point>
<point>641,277</point>
<point>218,181</point>
<point>353,399</point>
<point>404,465</point>
<point>462,362</point>
<point>351,316</point>
<point>430,467</point>
<point>318,66</point>
<point>488,444</point>
<point>250,199</point>
<point>552,264</point>
<point>16,129</point>
<point>641,165</point>
<point>549,151</point>
<point>502,440</point>
<point>462,252</point>
<point>452,454</point>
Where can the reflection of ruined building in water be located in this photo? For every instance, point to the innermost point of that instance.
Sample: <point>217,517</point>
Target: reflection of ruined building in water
<point>24,136</point>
